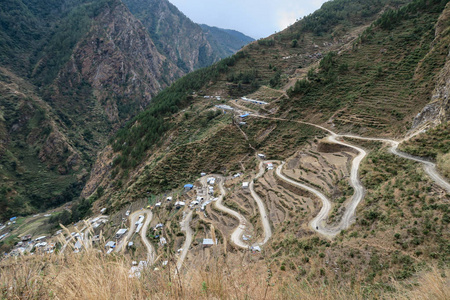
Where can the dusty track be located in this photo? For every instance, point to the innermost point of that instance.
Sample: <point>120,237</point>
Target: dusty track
<point>187,243</point>
<point>236,236</point>
<point>133,218</point>
<point>143,233</point>
<point>359,192</point>
<point>261,207</point>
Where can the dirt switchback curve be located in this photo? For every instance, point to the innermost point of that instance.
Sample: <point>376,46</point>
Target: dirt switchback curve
<point>236,236</point>
<point>359,191</point>
<point>143,233</point>
<point>187,243</point>
<point>260,203</point>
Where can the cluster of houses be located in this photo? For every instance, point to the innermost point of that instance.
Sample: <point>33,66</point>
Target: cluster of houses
<point>32,246</point>
<point>3,226</point>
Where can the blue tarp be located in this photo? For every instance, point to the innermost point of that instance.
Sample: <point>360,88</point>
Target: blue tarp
<point>188,186</point>
<point>243,116</point>
<point>13,218</point>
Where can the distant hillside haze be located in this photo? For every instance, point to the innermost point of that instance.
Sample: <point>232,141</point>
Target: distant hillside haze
<point>187,44</point>
<point>228,40</point>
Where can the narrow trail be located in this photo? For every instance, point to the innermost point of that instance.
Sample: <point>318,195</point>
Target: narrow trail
<point>143,233</point>
<point>348,218</point>
<point>260,203</point>
<point>133,217</point>
<point>428,166</point>
<point>236,236</point>
<point>187,243</point>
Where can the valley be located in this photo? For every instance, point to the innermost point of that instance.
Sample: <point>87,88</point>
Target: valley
<point>311,164</point>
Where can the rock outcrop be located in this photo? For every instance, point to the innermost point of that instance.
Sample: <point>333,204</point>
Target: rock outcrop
<point>438,110</point>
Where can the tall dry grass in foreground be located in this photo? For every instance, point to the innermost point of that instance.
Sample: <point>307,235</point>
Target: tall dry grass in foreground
<point>92,275</point>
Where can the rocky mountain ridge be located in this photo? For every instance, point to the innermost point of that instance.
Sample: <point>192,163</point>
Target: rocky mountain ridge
<point>73,72</point>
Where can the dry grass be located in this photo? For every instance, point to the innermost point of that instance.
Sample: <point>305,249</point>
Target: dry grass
<point>443,162</point>
<point>92,275</point>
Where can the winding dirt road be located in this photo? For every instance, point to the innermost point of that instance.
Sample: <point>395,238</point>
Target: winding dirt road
<point>260,203</point>
<point>187,243</point>
<point>429,167</point>
<point>359,192</point>
<point>236,236</point>
<point>143,233</point>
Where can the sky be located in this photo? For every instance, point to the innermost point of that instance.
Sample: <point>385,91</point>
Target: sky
<point>255,18</point>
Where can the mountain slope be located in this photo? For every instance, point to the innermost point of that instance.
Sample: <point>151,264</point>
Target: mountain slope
<point>82,68</point>
<point>175,35</point>
<point>368,74</point>
<point>229,41</point>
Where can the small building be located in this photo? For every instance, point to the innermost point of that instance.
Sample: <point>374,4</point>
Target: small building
<point>158,204</point>
<point>139,226</point>
<point>130,244</point>
<point>245,185</point>
<point>141,219</point>
<point>188,187</point>
<point>159,226</point>
<point>26,238</point>
<point>120,233</point>
<point>208,243</point>
<point>41,238</point>
<point>255,248</point>
<point>103,210</point>
<point>262,156</point>
<point>39,245</point>
<point>110,244</point>
<point>179,204</point>
<point>78,245</point>
<point>169,198</point>
<point>94,220</point>
<point>202,174</point>
<point>162,241</point>
<point>269,166</point>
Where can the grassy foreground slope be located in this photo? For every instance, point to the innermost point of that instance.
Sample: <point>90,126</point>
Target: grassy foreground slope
<point>92,276</point>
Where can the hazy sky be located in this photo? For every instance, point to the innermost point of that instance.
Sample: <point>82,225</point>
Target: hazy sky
<point>256,18</point>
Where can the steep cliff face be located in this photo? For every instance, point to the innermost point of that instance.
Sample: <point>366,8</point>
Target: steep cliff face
<point>74,72</point>
<point>177,37</point>
<point>39,164</point>
<point>438,110</point>
<point>117,66</point>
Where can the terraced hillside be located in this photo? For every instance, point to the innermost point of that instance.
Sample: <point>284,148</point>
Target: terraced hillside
<point>301,181</point>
